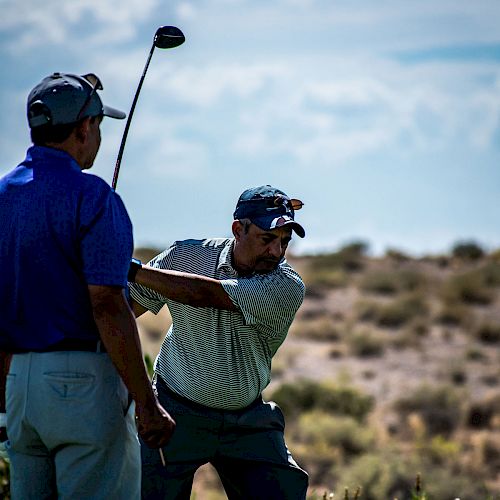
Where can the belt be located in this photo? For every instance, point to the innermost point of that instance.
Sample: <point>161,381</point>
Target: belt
<point>158,381</point>
<point>70,345</point>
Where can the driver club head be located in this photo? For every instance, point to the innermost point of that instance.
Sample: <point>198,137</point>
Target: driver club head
<point>168,37</point>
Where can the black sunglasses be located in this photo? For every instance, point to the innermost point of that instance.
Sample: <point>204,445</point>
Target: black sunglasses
<point>96,85</point>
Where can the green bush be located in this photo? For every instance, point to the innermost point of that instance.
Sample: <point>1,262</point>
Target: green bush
<point>489,333</point>
<point>306,395</point>
<point>391,475</point>
<point>481,413</point>
<point>454,314</point>
<point>365,344</point>
<point>322,442</point>
<point>345,433</point>
<point>467,288</point>
<point>389,283</point>
<point>319,329</point>
<point>397,255</point>
<point>380,476</point>
<point>366,310</point>
<point>439,407</point>
<point>401,311</point>
<point>145,254</point>
<point>467,250</point>
<point>348,258</point>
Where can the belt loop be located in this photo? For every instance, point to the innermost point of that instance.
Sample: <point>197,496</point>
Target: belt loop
<point>98,347</point>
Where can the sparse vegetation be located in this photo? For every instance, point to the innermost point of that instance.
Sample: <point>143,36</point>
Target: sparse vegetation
<point>350,377</point>
<point>489,333</point>
<point>440,408</point>
<point>365,343</point>
<point>303,395</point>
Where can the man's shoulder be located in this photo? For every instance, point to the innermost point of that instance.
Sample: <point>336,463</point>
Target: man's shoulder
<point>206,243</point>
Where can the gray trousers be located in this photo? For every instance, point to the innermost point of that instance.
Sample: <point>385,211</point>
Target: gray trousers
<point>71,428</point>
<point>246,447</point>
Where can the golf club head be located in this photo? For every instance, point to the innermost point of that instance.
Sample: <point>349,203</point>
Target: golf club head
<point>168,37</point>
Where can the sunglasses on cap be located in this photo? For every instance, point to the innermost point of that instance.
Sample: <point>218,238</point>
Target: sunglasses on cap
<point>274,202</point>
<point>96,85</point>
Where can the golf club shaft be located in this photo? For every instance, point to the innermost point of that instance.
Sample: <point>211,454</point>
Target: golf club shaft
<point>129,119</point>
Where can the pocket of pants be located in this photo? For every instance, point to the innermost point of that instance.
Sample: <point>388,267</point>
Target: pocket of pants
<point>264,416</point>
<point>70,385</point>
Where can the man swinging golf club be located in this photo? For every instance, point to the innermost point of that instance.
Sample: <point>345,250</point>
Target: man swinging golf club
<point>232,301</point>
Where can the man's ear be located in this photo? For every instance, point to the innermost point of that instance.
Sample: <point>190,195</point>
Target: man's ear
<point>237,229</point>
<point>82,129</point>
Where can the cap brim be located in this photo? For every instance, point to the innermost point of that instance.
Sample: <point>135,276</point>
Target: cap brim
<point>270,223</point>
<point>113,113</point>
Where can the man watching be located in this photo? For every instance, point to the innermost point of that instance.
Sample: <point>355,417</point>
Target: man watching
<point>232,302</point>
<point>65,247</point>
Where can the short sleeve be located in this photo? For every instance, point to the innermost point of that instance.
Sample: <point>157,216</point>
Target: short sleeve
<point>145,296</point>
<point>106,239</point>
<point>270,301</point>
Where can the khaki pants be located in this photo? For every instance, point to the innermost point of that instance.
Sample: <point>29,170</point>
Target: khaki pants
<point>71,428</point>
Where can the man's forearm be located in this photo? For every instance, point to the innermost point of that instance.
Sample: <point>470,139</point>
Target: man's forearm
<point>192,289</point>
<point>118,331</point>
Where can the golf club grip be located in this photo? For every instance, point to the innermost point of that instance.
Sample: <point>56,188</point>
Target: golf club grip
<point>129,119</point>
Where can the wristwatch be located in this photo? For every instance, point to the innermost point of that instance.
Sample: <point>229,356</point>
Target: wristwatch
<point>135,265</point>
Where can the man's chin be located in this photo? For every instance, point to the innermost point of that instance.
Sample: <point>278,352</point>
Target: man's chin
<point>266,266</point>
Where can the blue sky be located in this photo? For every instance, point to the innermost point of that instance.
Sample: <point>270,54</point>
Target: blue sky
<point>382,116</point>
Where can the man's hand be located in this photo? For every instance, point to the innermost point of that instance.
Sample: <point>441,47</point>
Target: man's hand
<point>155,425</point>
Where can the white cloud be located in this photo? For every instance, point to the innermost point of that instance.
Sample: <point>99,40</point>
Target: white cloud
<point>55,21</point>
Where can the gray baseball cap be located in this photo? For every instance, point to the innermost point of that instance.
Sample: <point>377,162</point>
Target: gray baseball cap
<point>64,98</point>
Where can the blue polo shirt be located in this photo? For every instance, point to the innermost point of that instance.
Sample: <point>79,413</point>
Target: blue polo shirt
<point>60,230</point>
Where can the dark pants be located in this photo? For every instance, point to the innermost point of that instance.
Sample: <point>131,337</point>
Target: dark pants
<point>246,447</point>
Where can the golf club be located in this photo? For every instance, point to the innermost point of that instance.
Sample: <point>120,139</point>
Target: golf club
<point>166,37</point>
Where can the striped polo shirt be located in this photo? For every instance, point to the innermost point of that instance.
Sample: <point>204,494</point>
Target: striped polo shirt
<point>219,358</point>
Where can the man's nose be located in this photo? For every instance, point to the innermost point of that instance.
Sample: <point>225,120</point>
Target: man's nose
<point>275,248</point>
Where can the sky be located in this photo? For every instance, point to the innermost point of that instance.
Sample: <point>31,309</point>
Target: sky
<point>381,116</point>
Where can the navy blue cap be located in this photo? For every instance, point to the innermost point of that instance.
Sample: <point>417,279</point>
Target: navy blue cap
<point>268,208</point>
<point>64,98</point>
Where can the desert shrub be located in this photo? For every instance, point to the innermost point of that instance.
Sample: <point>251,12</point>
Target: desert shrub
<point>454,314</point>
<point>481,413</point>
<point>467,250</point>
<point>320,329</point>
<point>380,476</point>
<point>392,475</point>
<point>444,482</point>
<point>490,273</point>
<point>396,255</point>
<point>318,277</point>
<point>474,353</point>
<point>489,333</point>
<point>344,433</point>
<point>400,311</point>
<point>457,374</point>
<point>348,258</point>
<point>365,344</point>
<point>145,254</point>
<point>149,365</point>
<point>441,450</point>
<point>381,282</point>
<point>305,395</point>
<point>439,407</point>
<point>388,283</point>
<point>366,310</point>
<point>467,288</point>
<point>4,479</point>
